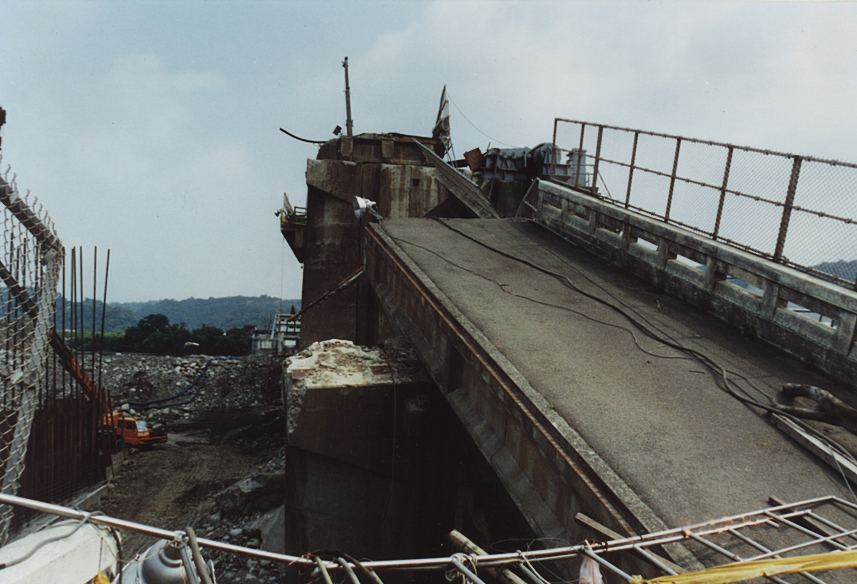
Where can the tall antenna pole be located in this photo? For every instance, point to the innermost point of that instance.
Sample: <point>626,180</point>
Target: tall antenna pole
<point>347,99</point>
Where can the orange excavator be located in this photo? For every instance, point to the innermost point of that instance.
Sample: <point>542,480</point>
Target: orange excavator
<point>128,430</point>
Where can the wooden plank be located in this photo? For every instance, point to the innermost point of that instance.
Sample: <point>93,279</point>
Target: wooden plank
<point>461,187</point>
<point>609,534</point>
<point>816,446</point>
<point>806,521</point>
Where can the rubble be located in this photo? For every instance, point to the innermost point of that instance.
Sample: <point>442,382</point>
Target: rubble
<point>342,364</point>
<point>244,382</point>
<point>223,470</point>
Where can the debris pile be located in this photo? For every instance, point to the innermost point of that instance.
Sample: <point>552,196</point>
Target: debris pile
<point>223,469</point>
<point>340,364</point>
<point>221,382</point>
<point>240,515</point>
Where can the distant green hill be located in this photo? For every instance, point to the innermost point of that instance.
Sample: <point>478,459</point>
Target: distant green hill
<point>841,269</point>
<point>224,313</point>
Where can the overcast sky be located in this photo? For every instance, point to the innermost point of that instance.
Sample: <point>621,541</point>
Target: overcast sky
<point>151,128</point>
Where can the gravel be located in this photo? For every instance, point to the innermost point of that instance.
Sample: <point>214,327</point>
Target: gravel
<point>238,405</point>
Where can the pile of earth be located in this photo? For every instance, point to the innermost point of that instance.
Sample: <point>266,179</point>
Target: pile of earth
<point>222,470</point>
<point>194,382</point>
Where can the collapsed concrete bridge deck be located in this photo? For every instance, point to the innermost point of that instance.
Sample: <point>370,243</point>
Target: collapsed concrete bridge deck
<point>539,347</point>
<point>604,375</point>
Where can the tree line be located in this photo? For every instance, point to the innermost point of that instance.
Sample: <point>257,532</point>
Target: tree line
<point>155,334</point>
<point>225,313</point>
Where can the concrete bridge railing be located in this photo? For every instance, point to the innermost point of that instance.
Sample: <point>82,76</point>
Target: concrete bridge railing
<point>807,317</point>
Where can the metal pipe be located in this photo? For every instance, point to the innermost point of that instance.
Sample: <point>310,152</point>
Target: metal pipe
<point>465,570</point>
<point>323,569</point>
<point>188,564</point>
<point>94,302</point>
<point>348,122</point>
<point>553,150</point>
<point>530,574</point>
<point>787,209</point>
<point>351,575</point>
<point>652,559</point>
<point>606,564</point>
<point>103,320</point>
<point>672,179</point>
<point>722,193</point>
<point>631,169</point>
<point>144,529</point>
<point>193,544</point>
<point>597,159</point>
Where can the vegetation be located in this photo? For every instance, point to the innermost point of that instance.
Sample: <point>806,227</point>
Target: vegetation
<point>194,313</point>
<point>213,326</point>
<point>155,334</point>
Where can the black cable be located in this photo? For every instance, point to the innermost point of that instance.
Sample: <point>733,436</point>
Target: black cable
<point>303,139</point>
<point>720,372</point>
<point>200,379</point>
<point>634,319</point>
<point>534,300</point>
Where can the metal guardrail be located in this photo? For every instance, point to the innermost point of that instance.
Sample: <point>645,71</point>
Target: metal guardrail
<point>810,318</point>
<point>796,210</point>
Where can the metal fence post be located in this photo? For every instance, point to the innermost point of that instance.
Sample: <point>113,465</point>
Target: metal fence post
<point>597,157</point>
<point>631,169</point>
<point>672,179</point>
<point>787,209</point>
<point>722,193</point>
<point>579,156</point>
<point>553,148</point>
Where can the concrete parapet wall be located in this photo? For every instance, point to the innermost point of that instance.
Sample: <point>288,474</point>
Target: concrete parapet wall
<point>760,297</point>
<point>74,559</point>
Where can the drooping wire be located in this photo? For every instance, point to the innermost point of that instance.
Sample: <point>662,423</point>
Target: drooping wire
<point>44,542</point>
<point>653,331</point>
<point>474,125</point>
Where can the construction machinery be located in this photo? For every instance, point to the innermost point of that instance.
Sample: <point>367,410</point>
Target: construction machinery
<point>127,430</point>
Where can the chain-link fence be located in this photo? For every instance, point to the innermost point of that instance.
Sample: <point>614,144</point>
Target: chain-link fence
<point>30,262</point>
<point>795,210</point>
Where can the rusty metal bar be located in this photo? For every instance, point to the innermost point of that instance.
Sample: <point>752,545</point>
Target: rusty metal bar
<point>631,168</point>
<point>787,209</point>
<point>722,194</point>
<point>724,144</point>
<point>672,179</point>
<point>29,219</point>
<point>597,158</point>
<point>579,156</point>
<point>553,149</point>
<point>103,320</point>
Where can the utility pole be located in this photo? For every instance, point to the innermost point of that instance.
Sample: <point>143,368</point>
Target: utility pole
<point>347,100</point>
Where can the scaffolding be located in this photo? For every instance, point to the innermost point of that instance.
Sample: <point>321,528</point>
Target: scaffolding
<point>809,541</point>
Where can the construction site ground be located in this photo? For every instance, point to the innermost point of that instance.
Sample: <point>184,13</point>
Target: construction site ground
<point>214,445</point>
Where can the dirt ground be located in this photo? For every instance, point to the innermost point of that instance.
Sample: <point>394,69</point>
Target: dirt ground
<point>170,486</point>
<point>228,431</point>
